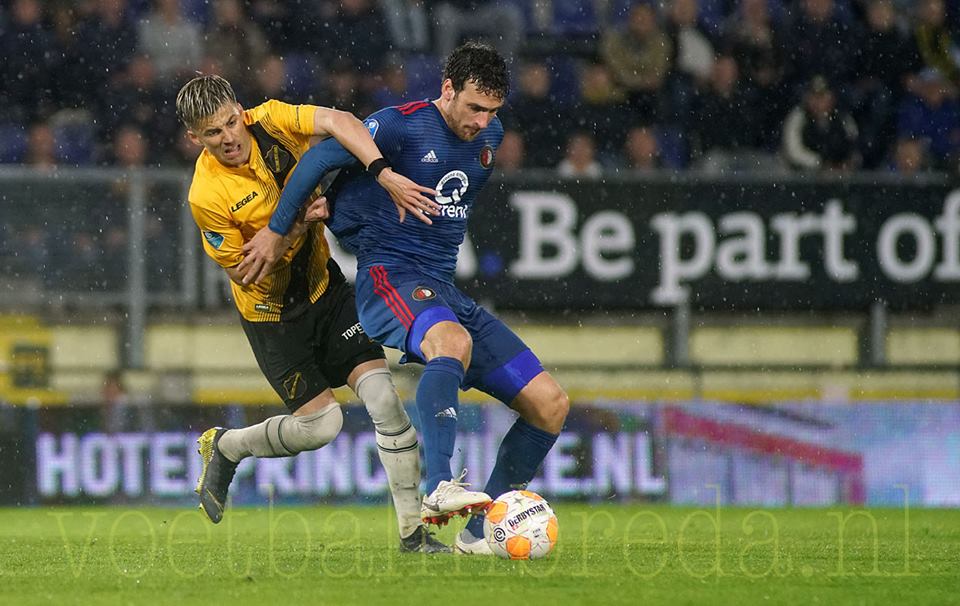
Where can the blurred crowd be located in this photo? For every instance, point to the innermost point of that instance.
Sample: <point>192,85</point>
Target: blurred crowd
<point>599,86</point>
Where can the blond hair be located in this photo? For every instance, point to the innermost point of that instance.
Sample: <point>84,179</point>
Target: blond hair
<point>202,97</point>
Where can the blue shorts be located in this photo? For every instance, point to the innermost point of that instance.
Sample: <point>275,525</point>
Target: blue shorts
<point>397,307</point>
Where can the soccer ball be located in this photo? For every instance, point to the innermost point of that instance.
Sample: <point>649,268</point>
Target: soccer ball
<point>520,525</point>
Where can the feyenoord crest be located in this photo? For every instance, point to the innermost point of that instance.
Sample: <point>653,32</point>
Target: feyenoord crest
<point>422,293</point>
<point>486,156</point>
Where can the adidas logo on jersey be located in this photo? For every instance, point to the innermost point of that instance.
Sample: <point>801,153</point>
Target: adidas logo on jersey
<point>430,157</point>
<point>447,412</point>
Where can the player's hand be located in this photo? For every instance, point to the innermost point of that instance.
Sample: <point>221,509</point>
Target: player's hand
<point>261,253</point>
<point>317,211</point>
<point>409,196</point>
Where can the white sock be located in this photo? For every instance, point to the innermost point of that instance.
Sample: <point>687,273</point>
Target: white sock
<point>398,447</point>
<point>283,435</point>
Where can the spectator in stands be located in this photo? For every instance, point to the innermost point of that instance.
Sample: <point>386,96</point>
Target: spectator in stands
<point>41,147</point>
<point>817,135</point>
<point>819,44</point>
<point>269,80</point>
<point>757,45</point>
<point>692,61</point>
<point>129,147</point>
<point>932,114</point>
<point>692,48</point>
<point>580,160</point>
<point>937,45</point>
<point>601,108</point>
<point>882,64</point>
<point>28,49</point>
<point>639,57</point>
<point>210,64</point>
<point>723,113</point>
<point>510,154</point>
<point>64,19</point>
<point>909,157</point>
<point>409,24</point>
<point>118,415</point>
<point>136,97</point>
<point>537,116</point>
<point>288,26</point>
<point>393,89</point>
<point>355,30</point>
<point>500,23</point>
<point>236,40</point>
<point>344,89</point>
<point>107,39</point>
<point>183,153</point>
<point>641,150</point>
<point>174,44</point>
<point>129,150</point>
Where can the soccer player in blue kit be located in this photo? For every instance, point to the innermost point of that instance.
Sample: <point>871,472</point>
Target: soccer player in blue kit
<point>406,297</point>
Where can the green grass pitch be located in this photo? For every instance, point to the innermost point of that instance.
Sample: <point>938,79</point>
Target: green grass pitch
<point>606,554</point>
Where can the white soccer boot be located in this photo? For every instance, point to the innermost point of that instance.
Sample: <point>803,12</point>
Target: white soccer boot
<point>450,499</point>
<point>468,544</point>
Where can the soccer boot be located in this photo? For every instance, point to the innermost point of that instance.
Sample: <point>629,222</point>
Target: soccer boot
<point>468,544</point>
<point>215,476</point>
<point>422,541</point>
<point>452,498</point>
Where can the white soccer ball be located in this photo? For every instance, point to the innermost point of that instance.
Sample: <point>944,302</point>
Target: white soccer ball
<point>520,525</point>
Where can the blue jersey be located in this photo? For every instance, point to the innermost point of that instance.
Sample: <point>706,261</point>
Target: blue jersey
<point>416,141</point>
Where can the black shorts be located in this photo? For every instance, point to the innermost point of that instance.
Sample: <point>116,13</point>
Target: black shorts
<point>318,349</point>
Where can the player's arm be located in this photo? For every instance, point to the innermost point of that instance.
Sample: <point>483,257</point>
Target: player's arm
<point>349,131</point>
<point>263,250</point>
<point>267,245</point>
<point>222,240</point>
<point>356,138</point>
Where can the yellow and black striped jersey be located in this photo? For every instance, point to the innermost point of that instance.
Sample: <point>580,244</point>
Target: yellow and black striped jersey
<point>231,204</point>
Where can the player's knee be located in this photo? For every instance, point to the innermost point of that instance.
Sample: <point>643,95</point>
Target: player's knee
<point>448,339</point>
<point>551,411</point>
<point>460,346</point>
<point>313,431</point>
<point>557,408</point>
<point>378,394</point>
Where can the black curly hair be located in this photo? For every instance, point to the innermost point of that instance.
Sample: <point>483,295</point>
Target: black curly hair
<point>478,63</point>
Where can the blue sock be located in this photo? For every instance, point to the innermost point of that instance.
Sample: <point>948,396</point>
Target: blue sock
<point>437,404</point>
<point>521,452</point>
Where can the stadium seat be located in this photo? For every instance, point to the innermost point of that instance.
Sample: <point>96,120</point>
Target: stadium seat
<point>13,143</point>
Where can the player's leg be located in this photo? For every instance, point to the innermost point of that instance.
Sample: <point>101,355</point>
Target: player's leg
<point>312,426</point>
<point>446,346</point>
<point>506,369</point>
<point>284,352</point>
<point>399,452</point>
<point>408,312</point>
<point>349,356</point>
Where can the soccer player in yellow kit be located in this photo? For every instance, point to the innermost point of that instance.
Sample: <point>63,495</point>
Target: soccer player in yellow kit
<point>300,320</point>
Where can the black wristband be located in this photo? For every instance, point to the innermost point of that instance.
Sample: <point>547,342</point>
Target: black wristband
<point>376,167</point>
